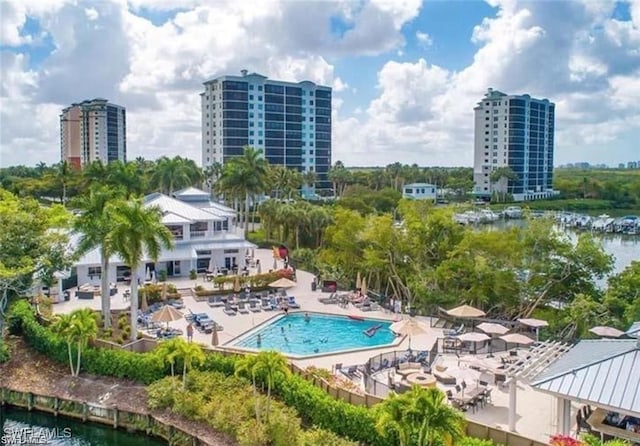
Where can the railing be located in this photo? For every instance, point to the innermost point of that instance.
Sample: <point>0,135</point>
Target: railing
<point>197,234</point>
<point>142,421</point>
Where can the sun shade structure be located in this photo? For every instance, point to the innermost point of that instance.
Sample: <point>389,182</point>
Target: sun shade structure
<point>534,323</point>
<point>283,282</point>
<point>491,328</point>
<point>465,311</point>
<point>599,372</point>
<point>473,337</point>
<point>606,332</point>
<point>166,314</point>
<point>517,338</point>
<point>410,327</point>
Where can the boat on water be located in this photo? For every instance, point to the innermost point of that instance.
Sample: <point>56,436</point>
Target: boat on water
<point>513,212</point>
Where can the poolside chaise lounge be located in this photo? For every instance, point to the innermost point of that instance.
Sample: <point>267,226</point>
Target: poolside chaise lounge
<point>242,307</point>
<point>332,299</point>
<point>215,301</point>
<point>228,310</point>
<point>254,306</point>
<point>291,302</point>
<point>266,304</point>
<point>454,332</point>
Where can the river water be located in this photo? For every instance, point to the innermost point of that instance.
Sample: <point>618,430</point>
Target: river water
<point>20,427</point>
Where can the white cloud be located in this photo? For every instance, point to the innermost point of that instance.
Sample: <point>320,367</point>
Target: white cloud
<point>570,52</point>
<point>423,38</point>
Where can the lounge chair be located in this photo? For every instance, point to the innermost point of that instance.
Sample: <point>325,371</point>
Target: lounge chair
<point>228,310</point>
<point>254,306</point>
<point>291,302</point>
<point>332,299</point>
<point>242,308</point>
<point>455,332</point>
<point>266,304</point>
<point>215,301</point>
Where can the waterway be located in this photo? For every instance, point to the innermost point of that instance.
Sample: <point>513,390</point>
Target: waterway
<point>20,427</point>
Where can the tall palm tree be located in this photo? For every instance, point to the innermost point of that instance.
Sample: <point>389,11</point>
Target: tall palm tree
<point>246,366</point>
<point>96,172</point>
<point>94,225</point>
<point>136,230</point>
<point>271,365</point>
<point>168,351</point>
<point>419,417</point>
<point>268,210</point>
<point>309,178</point>
<point>64,173</point>
<point>175,173</point>
<point>126,176</point>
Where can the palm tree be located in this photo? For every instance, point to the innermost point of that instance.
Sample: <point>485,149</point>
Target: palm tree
<point>136,230</point>
<point>192,355</point>
<point>96,172</point>
<point>175,173</point>
<point>85,328</point>
<point>309,178</point>
<point>126,176</point>
<point>419,417</point>
<point>271,365</point>
<point>246,366</point>
<point>63,328</point>
<point>76,328</point>
<point>94,223</point>
<point>64,173</point>
<point>168,351</point>
<point>499,175</point>
<point>268,210</point>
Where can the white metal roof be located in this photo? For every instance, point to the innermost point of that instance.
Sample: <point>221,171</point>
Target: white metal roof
<point>611,381</point>
<point>172,219</point>
<point>177,207</point>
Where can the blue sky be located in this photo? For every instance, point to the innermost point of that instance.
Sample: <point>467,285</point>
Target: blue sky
<point>406,74</point>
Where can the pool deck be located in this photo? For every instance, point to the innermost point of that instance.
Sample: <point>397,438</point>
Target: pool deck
<point>536,410</point>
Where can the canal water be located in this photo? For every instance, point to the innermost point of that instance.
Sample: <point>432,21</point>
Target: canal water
<point>20,427</point>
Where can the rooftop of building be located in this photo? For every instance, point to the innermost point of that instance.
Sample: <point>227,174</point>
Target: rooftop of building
<point>246,76</point>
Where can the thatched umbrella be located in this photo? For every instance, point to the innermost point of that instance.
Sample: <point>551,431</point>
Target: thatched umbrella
<point>164,291</point>
<point>536,324</point>
<point>491,328</point>
<point>517,338</point>
<point>410,327</point>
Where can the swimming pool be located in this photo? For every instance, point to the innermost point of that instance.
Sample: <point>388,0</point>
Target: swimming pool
<point>321,333</point>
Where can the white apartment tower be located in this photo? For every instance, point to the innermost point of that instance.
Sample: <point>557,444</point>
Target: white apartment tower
<point>93,130</point>
<point>515,131</point>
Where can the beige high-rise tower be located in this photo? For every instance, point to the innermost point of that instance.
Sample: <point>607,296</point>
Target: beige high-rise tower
<point>93,130</point>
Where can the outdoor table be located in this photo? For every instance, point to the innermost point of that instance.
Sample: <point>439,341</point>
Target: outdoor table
<point>422,379</point>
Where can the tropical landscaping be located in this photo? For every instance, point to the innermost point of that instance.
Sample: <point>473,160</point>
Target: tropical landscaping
<point>409,250</point>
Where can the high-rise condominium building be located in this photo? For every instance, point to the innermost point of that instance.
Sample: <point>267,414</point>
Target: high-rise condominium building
<point>93,130</point>
<point>291,122</point>
<point>517,132</point>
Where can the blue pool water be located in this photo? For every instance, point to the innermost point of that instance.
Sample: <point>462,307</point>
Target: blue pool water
<point>294,335</point>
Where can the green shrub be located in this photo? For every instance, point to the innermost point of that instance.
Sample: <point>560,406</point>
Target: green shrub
<point>5,354</point>
<point>320,437</point>
<point>160,393</point>
<point>252,433</point>
<point>162,275</point>
<point>470,441</point>
<point>193,275</point>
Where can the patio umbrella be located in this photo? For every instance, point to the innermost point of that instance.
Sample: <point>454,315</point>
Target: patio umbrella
<point>164,291</point>
<point>606,332</point>
<point>517,338</point>
<point>473,337</point>
<point>283,282</point>
<point>214,336</point>
<point>536,324</point>
<point>147,274</point>
<point>465,311</point>
<point>212,265</point>
<point>166,314</point>
<point>409,327</point>
<point>358,281</point>
<point>363,286</point>
<point>491,328</point>
<point>143,301</point>
<point>236,284</point>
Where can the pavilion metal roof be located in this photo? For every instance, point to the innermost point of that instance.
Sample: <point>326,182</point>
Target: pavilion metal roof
<point>605,373</point>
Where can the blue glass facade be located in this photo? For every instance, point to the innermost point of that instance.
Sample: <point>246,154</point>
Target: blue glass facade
<point>290,122</point>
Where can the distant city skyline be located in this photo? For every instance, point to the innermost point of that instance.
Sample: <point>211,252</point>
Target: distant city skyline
<point>405,75</point>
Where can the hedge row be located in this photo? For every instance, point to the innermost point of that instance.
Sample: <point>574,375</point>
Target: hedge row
<point>313,404</point>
